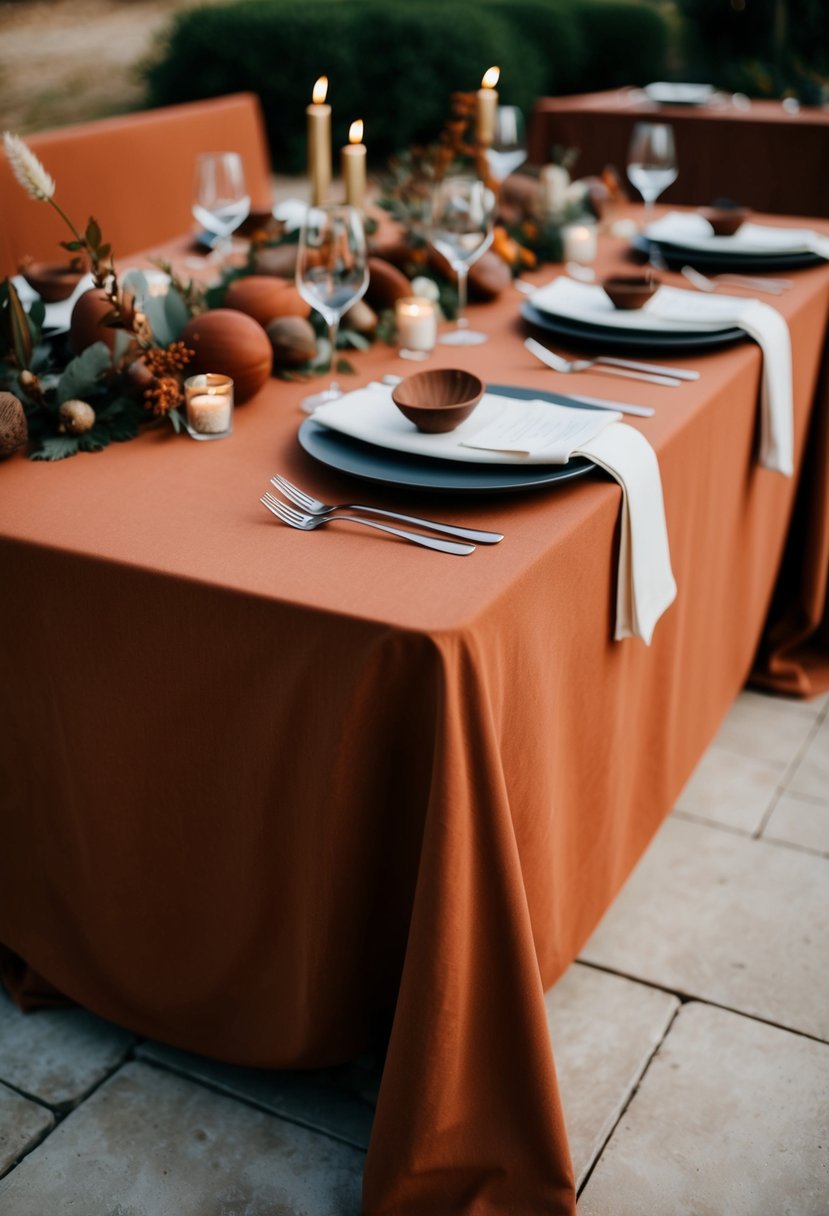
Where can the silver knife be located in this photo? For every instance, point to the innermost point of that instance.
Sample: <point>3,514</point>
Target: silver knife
<point>621,407</point>
<point>678,373</point>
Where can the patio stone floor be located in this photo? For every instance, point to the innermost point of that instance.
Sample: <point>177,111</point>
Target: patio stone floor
<point>692,1041</point>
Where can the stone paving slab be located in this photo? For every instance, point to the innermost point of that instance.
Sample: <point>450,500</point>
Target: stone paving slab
<point>731,790</point>
<point>148,1143</point>
<point>811,777</point>
<point>739,922</point>
<point>604,1031</point>
<point>731,1119</point>
<point>22,1123</point>
<point>57,1055</point>
<point>318,1099</point>
<point>767,728</point>
<point>801,821</point>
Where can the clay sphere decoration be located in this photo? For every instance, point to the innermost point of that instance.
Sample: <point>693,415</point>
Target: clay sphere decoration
<point>386,284</point>
<point>86,326</point>
<point>264,297</point>
<point>231,344</point>
<point>293,340</point>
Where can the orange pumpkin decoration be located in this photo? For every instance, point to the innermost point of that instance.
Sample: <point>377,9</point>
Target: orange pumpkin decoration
<point>86,326</point>
<point>264,297</point>
<point>232,344</point>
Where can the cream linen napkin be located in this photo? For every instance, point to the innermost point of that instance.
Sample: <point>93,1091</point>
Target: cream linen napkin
<point>672,308</point>
<point>694,232</point>
<point>645,584</point>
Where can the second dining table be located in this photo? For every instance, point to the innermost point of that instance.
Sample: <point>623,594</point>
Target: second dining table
<point>274,797</point>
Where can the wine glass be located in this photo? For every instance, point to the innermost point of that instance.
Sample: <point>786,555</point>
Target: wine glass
<point>651,162</point>
<point>331,273</point>
<point>508,149</point>
<point>220,201</point>
<point>463,212</point>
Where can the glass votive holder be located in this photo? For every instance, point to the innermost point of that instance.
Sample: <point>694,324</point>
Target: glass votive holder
<point>208,406</point>
<point>417,326</point>
<point>579,243</point>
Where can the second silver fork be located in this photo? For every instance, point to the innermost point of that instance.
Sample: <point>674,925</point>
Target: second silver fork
<point>307,523</point>
<point>315,507</point>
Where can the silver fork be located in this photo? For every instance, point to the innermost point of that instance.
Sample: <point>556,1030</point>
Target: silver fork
<point>315,507</point>
<point>772,287</point>
<point>307,523</point>
<point>603,364</point>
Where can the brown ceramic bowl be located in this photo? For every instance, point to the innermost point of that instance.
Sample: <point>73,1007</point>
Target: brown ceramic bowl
<point>52,281</point>
<point>725,220</point>
<point>438,400</point>
<point>630,291</point>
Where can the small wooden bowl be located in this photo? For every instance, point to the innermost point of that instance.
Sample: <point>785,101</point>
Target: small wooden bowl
<point>439,400</point>
<point>629,291</point>
<point>725,220</point>
<point>51,281</point>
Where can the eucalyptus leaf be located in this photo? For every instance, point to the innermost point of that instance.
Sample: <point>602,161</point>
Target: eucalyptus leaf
<point>176,420</point>
<point>95,440</point>
<point>37,315</point>
<point>350,337</point>
<point>83,373</point>
<point>56,447</point>
<point>155,311</point>
<point>122,343</point>
<point>176,312</point>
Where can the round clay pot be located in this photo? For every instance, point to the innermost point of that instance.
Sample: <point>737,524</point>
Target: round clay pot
<point>52,281</point>
<point>232,344</point>
<point>86,326</point>
<point>281,260</point>
<point>264,297</point>
<point>386,284</point>
<point>488,277</point>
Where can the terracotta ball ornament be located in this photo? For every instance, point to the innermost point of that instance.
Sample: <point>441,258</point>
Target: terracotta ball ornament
<point>264,297</point>
<point>231,344</point>
<point>86,326</point>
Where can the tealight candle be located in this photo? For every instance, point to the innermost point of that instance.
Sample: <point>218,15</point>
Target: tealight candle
<point>417,324</point>
<point>319,143</point>
<point>353,160</point>
<point>487,107</point>
<point>209,405</point>
<point>579,243</point>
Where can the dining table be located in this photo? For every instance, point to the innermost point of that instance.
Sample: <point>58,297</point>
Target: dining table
<point>281,797</point>
<point>770,155</point>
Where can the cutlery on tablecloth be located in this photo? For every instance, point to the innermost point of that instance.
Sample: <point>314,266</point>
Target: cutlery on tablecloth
<point>772,287</point>
<point>618,407</point>
<point>315,507</point>
<point>667,377</point>
<point>307,523</point>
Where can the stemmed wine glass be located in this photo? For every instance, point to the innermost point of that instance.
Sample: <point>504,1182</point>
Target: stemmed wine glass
<point>220,200</point>
<point>463,212</point>
<point>508,149</point>
<point>651,162</point>
<point>331,273</point>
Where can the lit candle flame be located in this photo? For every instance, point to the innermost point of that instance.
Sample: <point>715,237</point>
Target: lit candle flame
<point>355,132</point>
<point>490,78</point>
<point>320,91</point>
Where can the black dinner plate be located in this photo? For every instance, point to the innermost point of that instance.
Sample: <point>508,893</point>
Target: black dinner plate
<point>406,470</point>
<point>712,259</point>
<point>628,339</point>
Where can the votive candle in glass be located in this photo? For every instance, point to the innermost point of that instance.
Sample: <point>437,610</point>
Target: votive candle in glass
<point>580,242</point>
<point>417,324</point>
<point>209,405</point>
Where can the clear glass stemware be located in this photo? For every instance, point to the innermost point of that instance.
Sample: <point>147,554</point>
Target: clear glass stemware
<point>220,200</point>
<point>651,162</point>
<point>508,149</point>
<point>331,273</point>
<point>463,212</point>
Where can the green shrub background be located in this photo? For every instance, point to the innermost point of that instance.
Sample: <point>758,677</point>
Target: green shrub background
<point>394,63</point>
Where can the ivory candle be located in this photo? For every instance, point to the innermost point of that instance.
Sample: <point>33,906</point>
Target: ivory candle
<point>487,107</point>
<point>319,142</point>
<point>580,243</point>
<point>209,405</point>
<point>554,181</point>
<point>353,161</point>
<point>417,323</point>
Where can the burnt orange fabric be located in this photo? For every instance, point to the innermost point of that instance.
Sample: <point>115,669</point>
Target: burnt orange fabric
<point>134,173</point>
<point>762,157</point>
<point>263,791</point>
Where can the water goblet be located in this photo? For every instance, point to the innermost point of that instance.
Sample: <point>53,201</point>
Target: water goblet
<point>651,162</point>
<point>220,200</point>
<point>508,149</point>
<point>331,273</point>
<point>463,213</point>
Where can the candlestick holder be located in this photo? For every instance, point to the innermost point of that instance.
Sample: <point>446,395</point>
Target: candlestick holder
<point>208,406</point>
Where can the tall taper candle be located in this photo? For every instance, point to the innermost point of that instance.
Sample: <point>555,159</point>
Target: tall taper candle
<point>354,166</point>
<point>487,106</point>
<point>319,143</point>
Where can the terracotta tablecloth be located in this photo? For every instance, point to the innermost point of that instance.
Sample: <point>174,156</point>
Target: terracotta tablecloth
<point>763,157</point>
<point>267,793</point>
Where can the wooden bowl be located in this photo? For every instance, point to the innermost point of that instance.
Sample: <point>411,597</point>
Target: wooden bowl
<point>629,291</point>
<point>725,220</point>
<point>51,280</point>
<point>439,400</point>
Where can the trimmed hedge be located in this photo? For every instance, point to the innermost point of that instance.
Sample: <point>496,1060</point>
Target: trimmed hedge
<point>395,65</point>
